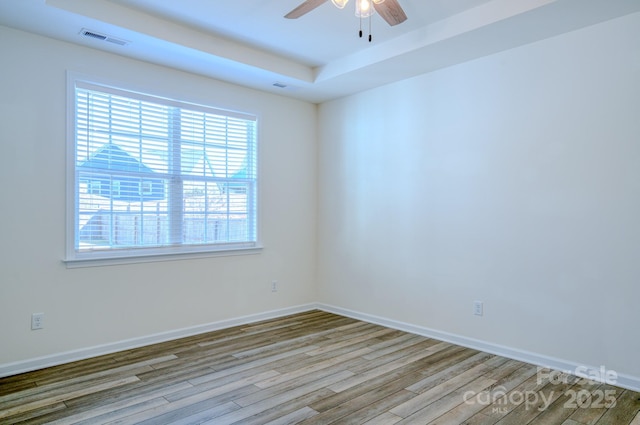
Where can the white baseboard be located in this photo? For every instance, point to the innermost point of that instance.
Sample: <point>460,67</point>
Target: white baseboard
<point>15,368</point>
<point>8,369</point>
<point>623,381</point>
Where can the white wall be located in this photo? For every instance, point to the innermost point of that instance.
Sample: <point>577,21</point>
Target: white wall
<point>102,305</point>
<point>513,179</point>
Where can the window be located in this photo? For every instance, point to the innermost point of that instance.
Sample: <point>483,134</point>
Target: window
<point>153,176</point>
<point>146,188</point>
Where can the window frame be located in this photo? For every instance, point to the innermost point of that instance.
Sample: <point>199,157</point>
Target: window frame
<point>74,258</point>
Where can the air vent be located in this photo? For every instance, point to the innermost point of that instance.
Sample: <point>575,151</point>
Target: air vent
<point>92,34</point>
<point>283,86</point>
<point>103,37</point>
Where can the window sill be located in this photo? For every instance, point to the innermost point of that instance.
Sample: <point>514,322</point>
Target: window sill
<point>98,259</point>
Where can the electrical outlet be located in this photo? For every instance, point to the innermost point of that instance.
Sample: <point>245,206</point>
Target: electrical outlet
<point>37,321</point>
<point>274,286</point>
<point>478,308</point>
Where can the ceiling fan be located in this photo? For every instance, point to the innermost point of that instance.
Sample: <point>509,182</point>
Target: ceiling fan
<point>390,10</point>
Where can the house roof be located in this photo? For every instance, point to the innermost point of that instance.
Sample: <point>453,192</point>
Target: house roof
<point>112,157</point>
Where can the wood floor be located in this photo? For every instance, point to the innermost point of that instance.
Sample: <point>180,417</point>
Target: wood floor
<point>309,368</point>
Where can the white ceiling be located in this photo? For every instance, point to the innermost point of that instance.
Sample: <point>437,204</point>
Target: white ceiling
<point>318,56</point>
<point>324,35</point>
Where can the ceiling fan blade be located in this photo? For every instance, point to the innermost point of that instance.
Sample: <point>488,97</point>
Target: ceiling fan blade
<point>304,8</point>
<point>391,11</point>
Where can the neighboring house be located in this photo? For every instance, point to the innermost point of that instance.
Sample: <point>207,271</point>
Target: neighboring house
<point>120,188</point>
<point>106,194</point>
<point>117,209</point>
<point>200,163</point>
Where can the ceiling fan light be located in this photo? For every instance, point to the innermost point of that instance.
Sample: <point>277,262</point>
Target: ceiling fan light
<point>378,1</point>
<point>340,4</point>
<point>364,8</point>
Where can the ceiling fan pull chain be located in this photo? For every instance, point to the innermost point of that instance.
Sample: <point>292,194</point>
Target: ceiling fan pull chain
<point>370,38</point>
<point>360,32</point>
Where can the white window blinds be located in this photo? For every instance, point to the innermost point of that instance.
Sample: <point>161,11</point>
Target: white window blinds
<point>154,175</point>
